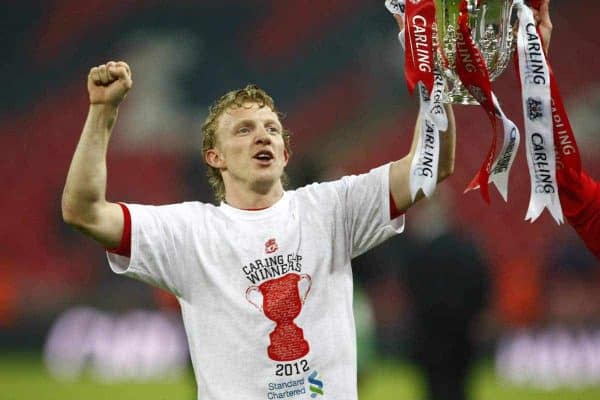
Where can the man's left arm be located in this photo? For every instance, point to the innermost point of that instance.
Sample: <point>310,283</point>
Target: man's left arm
<point>400,170</point>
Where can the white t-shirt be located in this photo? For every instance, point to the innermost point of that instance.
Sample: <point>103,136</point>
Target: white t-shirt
<point>266,296</point>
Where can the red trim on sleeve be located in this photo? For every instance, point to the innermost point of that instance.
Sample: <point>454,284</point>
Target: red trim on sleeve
<point>394,213</point>
<point>124,248</point>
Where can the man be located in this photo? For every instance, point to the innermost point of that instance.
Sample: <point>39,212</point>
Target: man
<point>579,193</point>
<point>263,280</point>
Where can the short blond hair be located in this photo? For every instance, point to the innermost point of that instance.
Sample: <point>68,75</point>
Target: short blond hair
<point>235,98</point>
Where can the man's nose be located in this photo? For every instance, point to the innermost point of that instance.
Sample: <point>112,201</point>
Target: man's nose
<point>262,136</point>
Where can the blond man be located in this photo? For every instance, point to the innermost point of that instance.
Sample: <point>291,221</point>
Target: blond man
<point>263,279</point>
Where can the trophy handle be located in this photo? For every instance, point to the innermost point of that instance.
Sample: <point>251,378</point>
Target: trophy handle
<point>304,285</point>
<point>255,297</point>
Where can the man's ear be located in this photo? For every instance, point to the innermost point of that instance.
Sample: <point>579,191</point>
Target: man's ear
<point>214,158</point>
<point>286,157</point>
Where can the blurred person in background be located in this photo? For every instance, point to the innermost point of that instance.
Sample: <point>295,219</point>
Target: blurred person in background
<point>448,287</point>
<point>579,193</point>
<point>263,255</point>
<point>431,291</point>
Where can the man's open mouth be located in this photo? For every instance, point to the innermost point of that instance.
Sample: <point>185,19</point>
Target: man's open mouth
<point>264,155</point>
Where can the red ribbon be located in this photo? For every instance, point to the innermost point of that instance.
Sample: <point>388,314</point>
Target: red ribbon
<point>420,17</point>
<point>567,155</point>
<point>473,73</point>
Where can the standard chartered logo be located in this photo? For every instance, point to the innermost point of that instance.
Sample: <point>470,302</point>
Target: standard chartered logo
<point>316,385</point>
<point>312,384</point>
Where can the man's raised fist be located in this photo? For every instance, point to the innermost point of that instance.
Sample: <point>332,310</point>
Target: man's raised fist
<point>109,83</point>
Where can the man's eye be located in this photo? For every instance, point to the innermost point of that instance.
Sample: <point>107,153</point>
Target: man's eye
<point>273,129</point>
<point>244,130</point>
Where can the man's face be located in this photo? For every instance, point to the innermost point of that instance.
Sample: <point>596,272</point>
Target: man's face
<point>250,149</point>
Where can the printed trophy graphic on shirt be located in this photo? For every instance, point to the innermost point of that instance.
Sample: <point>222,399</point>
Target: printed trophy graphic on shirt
<point>281,301</point>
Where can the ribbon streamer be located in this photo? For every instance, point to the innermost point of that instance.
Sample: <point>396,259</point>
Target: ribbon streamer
<point>418,61</point>
<point>424,164</point>
<point>396,7</point>
<point>432,114</point>
<point>473,73</point>
<point>568,152</point>
<point>537,110</point>
<point>503,164</point>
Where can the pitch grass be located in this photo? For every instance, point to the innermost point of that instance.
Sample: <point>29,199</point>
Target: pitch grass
<point>23,377</point>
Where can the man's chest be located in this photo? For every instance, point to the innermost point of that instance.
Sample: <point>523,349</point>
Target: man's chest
<point>250,253</point>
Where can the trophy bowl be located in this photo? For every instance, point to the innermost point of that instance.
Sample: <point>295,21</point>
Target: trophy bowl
<point>493,28</point>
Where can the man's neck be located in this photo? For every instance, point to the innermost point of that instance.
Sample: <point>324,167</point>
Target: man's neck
<point>252,199</point>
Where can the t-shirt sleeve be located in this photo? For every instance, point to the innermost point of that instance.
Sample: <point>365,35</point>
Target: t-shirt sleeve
<point>124,248</point>
<point>580,199</point>
<point>366,200</point>
<point>158,241</point>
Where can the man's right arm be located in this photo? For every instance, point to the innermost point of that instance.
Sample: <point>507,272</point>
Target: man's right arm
<point>84,203</point>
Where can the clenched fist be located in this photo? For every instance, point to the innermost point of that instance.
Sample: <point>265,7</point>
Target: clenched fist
<point>109,83</point>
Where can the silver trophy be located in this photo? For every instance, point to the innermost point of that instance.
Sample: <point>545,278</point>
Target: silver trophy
<point>493,28</point>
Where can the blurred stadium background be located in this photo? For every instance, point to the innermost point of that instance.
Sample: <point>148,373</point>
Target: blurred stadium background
<point>471,291</point>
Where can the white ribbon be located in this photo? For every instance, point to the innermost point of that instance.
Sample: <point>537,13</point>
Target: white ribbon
<point>397,7</point>
<point>423,167</point>
<point>506,156</point>
<point>535,79</point>
<point>436,109</point>
<point>432,120</point>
